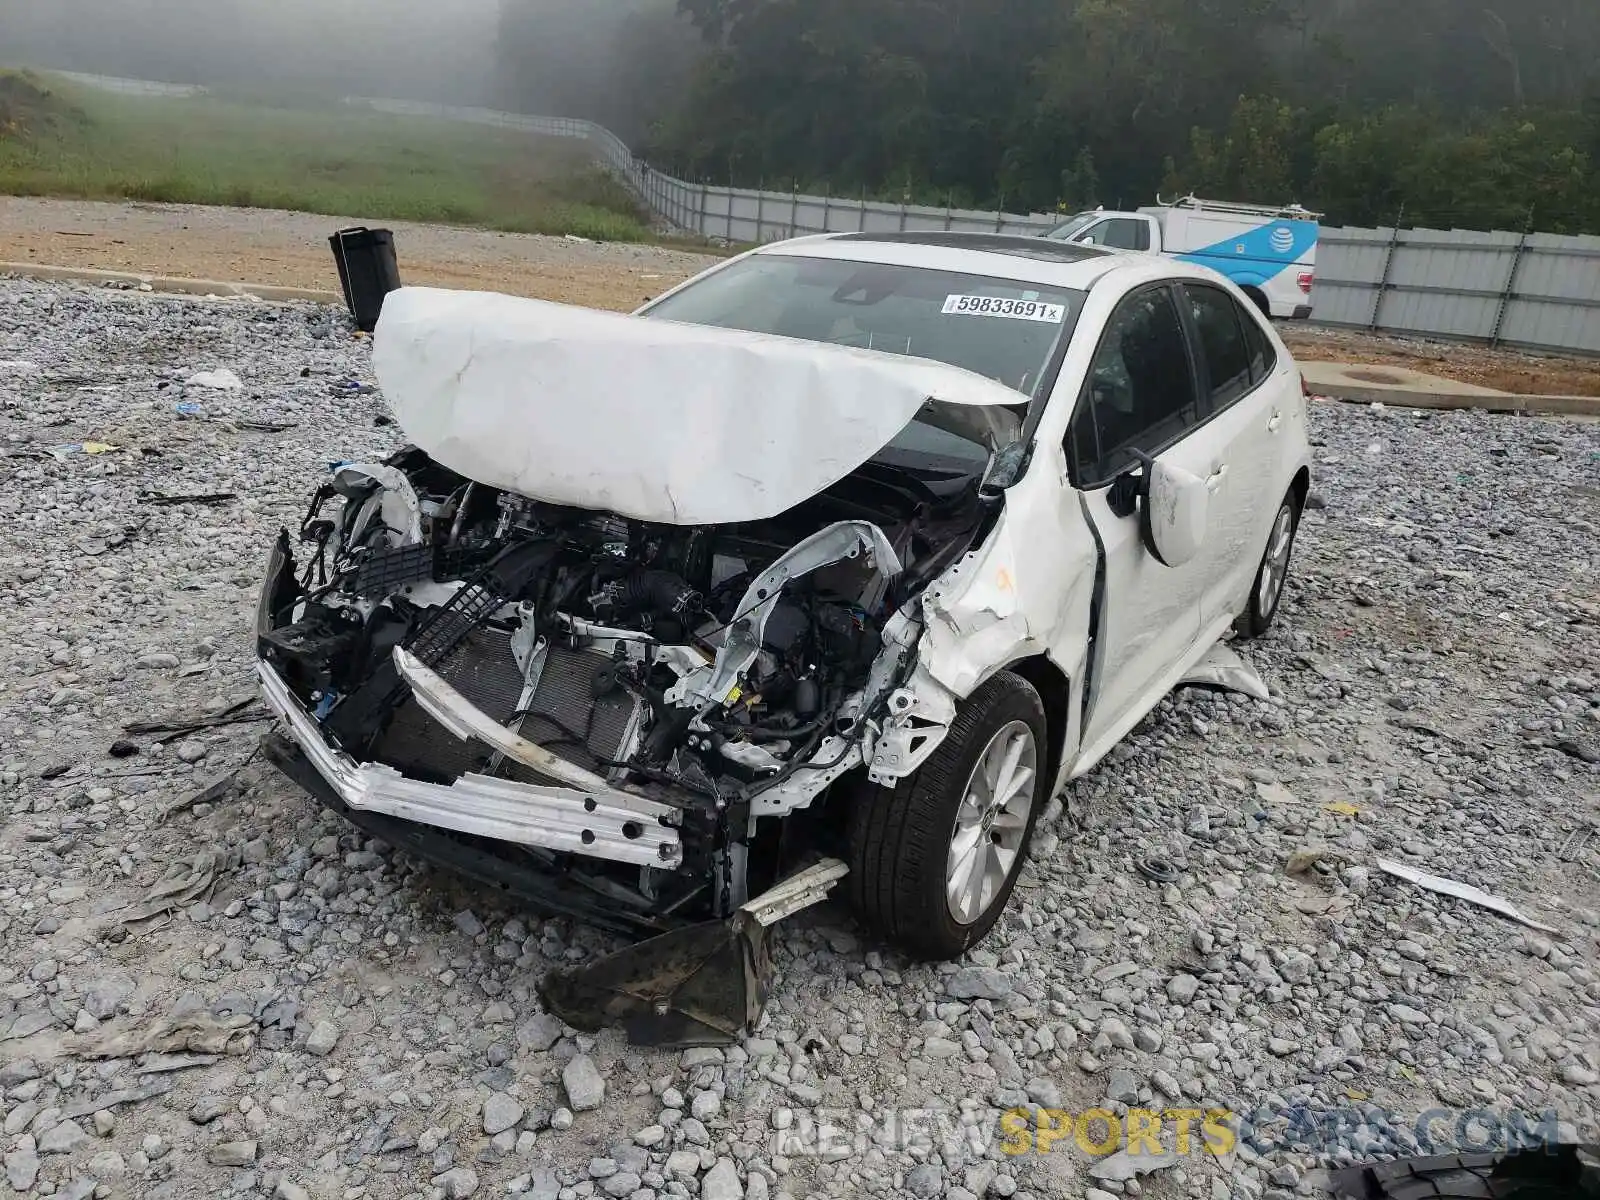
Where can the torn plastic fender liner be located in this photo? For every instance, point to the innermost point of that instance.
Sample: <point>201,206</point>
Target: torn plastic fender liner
<point>705,985</point>
<point>385,493</point>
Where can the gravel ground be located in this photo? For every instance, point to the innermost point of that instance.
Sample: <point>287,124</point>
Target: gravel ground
<point>238,995</point>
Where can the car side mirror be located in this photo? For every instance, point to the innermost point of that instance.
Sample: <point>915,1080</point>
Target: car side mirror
<point>1005,468</point>
<point>1174,511</point>
<point>1087,239</point>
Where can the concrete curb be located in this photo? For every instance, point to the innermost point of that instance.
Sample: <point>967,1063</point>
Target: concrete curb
<point>1563,406</point>
<point>161,283</point>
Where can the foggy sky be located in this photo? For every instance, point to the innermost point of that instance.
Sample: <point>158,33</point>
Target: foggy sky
<point>424,49</point>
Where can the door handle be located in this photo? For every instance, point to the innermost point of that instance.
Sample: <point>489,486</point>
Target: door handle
<point>1276,423</point>
<point>1214,480</point>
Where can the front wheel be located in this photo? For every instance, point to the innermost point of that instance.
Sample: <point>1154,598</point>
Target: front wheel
<point>934,860</point>
<point>1266,594</point>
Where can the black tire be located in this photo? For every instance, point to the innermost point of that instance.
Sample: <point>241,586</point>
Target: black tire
<point>900,838</point>
<point>1257,617</point>
<point>1562,1173</point>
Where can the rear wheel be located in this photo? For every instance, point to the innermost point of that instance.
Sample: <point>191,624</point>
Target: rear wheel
<point>934,860</point>
<point>1266,593</point>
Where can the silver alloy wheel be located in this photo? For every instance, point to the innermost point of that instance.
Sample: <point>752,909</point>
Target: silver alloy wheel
<point>1275,567</point>
<point>991,822</point>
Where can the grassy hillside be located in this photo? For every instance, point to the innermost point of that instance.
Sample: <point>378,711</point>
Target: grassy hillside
<point>61,140</point>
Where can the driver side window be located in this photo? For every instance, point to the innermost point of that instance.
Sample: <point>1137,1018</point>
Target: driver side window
<point>1140,394</point>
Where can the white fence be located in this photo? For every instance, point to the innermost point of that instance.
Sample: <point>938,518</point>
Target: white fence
<point>1540,291</point>
<point>1535,291</point>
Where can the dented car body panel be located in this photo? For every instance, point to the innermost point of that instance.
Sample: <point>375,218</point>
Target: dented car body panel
<point>542,627</point>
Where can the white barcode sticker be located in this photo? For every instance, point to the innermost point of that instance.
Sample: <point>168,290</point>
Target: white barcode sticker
<point>1000,306</point>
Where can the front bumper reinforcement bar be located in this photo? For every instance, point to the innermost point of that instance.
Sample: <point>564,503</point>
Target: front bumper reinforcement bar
<point>599,822</point>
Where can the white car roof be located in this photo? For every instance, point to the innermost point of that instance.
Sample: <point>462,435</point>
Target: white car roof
<point>998,256</point>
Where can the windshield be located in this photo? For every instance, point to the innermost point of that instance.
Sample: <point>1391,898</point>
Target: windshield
<point>999,328</point>
<point>1075,225</point>
<point>1002,329</point>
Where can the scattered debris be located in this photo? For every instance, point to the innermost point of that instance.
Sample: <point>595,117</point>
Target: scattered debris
<point>1324,905</point>
<point>1306,859</point>
<point>1157,870</point>
<point>96,546</point>
<point>1342,808</point>
<point>191,1033</point>
<point>171,1064</point>
<point>177,725</point>
<point>178,891</point>
<point>188,408</point>
<point>206,498</point>
<point>110,1100</point>
<point>702,985</point>
<point>210,794</point>
<point>72,448</point>
<point>1461,891</point>
<point>266,426</point>
<point>1418,725</point>
<point>222,380</point>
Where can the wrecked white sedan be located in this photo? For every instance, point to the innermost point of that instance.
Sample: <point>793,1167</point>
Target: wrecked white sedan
<point>854,548</point>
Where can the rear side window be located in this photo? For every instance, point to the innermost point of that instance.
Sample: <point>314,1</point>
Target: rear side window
<point>1121,233</point>
<point>1223,344</point>
<point>1263,358</point>
<point>1141,390</point>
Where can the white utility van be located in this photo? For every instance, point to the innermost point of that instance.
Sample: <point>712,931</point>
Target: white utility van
<point>1269,252</point>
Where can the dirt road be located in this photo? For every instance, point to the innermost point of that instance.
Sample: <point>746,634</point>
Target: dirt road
<point>291,249</point>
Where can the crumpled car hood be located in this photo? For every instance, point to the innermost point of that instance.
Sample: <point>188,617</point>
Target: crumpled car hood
<point>647,418</point>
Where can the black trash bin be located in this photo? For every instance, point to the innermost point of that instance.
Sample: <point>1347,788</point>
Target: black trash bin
<point>368,271</point>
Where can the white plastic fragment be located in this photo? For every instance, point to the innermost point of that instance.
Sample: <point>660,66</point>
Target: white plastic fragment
<point>1223,669</point>
<point>1461,891</point>
<point>222,380</point>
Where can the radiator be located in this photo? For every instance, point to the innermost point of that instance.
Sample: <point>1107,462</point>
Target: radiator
<point>484,670</point>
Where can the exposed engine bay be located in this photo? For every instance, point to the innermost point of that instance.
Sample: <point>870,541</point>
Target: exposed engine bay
<point>631,698</point>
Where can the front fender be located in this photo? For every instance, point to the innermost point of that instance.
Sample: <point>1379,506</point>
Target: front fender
<point>975,619</point>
